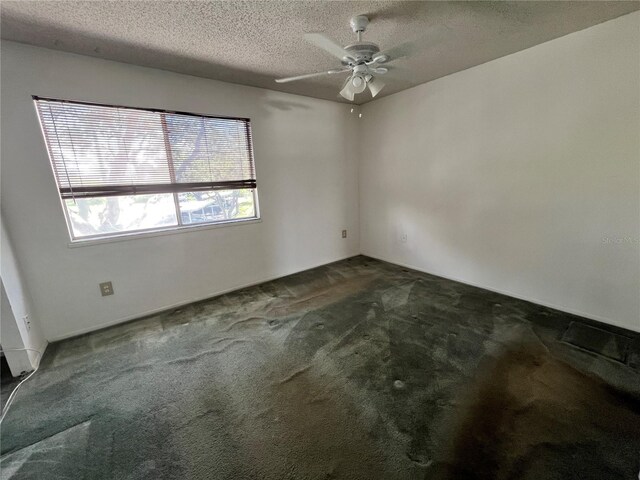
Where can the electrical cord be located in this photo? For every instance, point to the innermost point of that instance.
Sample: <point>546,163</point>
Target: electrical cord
<point>15,390</point>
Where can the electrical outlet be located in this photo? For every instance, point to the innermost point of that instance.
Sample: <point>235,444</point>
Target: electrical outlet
<point>344,234</point>
<point>403,238</point>
<point>27,322</point>
<point>106,288</point>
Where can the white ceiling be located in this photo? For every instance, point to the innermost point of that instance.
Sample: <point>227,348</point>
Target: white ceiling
<point>254,42</point>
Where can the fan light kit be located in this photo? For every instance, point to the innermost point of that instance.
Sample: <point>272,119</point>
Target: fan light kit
<point>360,59</point>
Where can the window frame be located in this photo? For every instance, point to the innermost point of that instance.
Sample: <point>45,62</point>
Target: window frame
<point>180,227</point>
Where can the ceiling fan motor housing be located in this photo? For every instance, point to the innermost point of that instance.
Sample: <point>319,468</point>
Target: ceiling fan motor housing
<point>361,52</point>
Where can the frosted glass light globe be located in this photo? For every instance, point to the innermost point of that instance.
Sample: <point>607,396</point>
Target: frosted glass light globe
<point>358,84</point>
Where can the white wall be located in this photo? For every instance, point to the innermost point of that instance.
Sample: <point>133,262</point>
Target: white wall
<point>307,179</point>
<point>19,327</point>
<point>512,175</point>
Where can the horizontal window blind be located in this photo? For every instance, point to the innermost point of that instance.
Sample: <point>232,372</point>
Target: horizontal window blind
<point>101,150</point>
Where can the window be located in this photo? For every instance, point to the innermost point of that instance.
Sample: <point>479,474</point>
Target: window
<point>123,170</point>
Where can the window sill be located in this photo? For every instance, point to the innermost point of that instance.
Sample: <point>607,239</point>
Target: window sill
<point>127,237</point>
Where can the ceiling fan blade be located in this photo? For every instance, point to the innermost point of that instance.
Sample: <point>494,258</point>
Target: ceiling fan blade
<point>310,75</point>
<point>322,41</point>
<point>375,85</point>
<point>436,35</point>
<point>405,49</point>
<point>347,90</point>
<point>396,73</point>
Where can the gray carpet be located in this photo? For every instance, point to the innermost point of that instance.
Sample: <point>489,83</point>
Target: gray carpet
<point>355,370</point>
<point>7,385</point>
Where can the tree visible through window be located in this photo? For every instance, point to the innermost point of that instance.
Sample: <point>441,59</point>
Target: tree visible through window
<point>122,170</point>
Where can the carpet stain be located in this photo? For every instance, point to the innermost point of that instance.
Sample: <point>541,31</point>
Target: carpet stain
<point>529,409</point>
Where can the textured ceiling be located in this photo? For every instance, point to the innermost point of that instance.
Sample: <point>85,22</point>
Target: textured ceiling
<point>252,43</point>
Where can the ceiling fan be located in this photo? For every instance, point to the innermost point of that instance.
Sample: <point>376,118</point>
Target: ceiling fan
<point>361,59</point>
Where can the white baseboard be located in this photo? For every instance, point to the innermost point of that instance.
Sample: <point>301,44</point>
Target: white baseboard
<point>41,348</point>
<point>128,318</point>
<point>164,308</point>
<point>561,308</point>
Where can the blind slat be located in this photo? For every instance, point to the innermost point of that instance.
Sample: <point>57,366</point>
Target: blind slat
<point>101,150</point>
<point>146,189</point>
